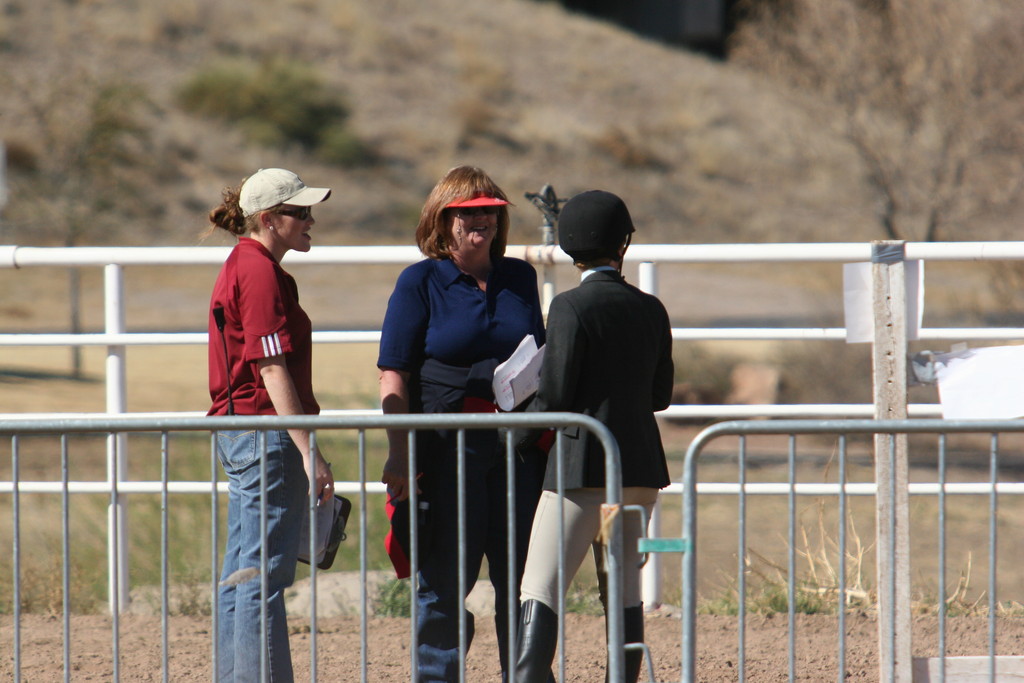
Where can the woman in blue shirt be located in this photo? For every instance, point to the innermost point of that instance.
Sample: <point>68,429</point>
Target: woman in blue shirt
<point>451,319</point>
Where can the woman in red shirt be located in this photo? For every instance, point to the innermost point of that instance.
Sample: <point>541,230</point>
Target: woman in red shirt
<point>260,359</point>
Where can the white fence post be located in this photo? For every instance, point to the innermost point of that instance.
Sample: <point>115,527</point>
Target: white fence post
<point>117,444</point>
<point>547,288</point>
<point>650,581</point>
<point>889,362</point>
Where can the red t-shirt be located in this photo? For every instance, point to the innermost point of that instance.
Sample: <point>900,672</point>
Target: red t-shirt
<point>263,319</point>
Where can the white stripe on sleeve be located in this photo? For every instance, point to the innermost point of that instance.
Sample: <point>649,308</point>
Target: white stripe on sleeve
<point>271,345</point>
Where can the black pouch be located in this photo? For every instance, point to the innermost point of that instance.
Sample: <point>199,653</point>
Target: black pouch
<point>331,522</point>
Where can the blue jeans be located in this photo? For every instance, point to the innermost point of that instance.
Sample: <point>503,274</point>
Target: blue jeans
<point>438,599</point>
<point>238,609</point>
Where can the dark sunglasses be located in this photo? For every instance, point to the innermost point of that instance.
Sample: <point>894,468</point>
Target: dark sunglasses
<point>303,213</point>
<point>467,211</point>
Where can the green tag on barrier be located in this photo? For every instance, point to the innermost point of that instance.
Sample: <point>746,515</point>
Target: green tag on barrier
<point>664,545</point>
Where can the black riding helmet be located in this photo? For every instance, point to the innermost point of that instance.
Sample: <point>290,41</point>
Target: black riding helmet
<point>593,225</point>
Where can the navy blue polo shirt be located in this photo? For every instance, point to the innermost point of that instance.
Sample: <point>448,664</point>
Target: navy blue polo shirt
<point>437,311</point>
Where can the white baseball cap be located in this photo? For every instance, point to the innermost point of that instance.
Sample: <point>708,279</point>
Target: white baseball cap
<point>268,187</point>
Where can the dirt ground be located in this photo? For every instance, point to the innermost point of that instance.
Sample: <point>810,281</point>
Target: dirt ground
<point>338,638</point>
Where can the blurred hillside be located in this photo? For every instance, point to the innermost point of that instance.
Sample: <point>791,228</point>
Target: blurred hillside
<point>532,93</point>
<point>832,120</point>
<point>702,150</point>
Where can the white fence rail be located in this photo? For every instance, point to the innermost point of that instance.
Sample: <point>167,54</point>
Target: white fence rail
<point>650,258</point>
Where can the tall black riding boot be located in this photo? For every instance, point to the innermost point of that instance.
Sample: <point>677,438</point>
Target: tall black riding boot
<point>501,631</point>
<point>633,630</point>
<point>537,642</point>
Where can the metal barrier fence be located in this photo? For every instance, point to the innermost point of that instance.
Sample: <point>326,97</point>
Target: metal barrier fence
<point>842,489</point>
<point>115,485</point>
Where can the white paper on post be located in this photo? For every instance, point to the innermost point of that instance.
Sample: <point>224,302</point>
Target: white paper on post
<point>859,309</point>
<point>982,384</point>
<point>517,378</point>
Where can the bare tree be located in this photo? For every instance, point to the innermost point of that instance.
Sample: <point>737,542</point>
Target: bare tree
<point>929,94</point>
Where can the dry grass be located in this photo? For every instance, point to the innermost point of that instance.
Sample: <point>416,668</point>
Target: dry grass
<point>816,555</point>
<point>174,378</point>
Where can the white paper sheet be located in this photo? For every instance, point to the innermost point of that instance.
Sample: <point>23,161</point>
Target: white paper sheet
<point>983,384</point>
<point>858,308</point>
<point>517,378</point>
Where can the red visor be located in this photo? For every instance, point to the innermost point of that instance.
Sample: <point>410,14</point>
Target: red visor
<point>479,200</point>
